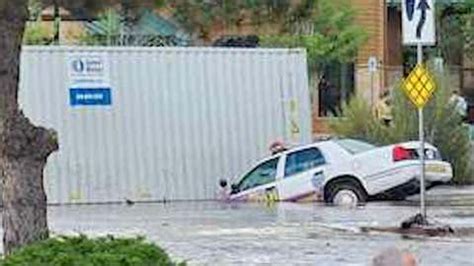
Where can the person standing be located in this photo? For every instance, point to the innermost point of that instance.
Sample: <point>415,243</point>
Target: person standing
<point>323,95</point>
<point>328,98</point>
<point>383,109</point>
<point>459,103</point>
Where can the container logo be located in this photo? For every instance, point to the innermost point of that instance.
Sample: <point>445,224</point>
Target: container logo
<point>88,80</point>
<point>92,66</point>
<point>78,66</point>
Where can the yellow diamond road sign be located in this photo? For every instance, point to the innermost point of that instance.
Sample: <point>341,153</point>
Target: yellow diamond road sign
<point>419,86</point>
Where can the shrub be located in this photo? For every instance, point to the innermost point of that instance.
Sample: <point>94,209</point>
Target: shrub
<point>36,34</point>
<point>443,127</point>
<point>75,251</point>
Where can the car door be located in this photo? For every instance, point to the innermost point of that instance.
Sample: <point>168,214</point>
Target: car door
<point>303,175</point>
<point>258,184</point>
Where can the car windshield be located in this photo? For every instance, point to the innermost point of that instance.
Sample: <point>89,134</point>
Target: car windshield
<point>355,146</point>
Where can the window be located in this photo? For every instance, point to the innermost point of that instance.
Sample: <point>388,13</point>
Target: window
<point>304,160</point>
<point>263,174</point>
<point>355,146</point>
<point>335,88</point>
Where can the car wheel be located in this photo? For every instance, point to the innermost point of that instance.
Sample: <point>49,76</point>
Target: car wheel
<point>345,193</point>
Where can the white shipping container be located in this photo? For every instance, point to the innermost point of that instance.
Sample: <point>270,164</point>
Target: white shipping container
<point>151,124</point>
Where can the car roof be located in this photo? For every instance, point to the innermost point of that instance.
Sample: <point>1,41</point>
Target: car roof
<point>296,148</point>
<point>318,144</point>
<point>306,146</point>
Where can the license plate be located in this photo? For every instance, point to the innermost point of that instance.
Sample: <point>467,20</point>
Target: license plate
<point>435,168</point>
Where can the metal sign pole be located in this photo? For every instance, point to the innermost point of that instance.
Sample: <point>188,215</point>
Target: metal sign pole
<point>372,89</point>
<point>422,145</point>
<point>372,67</point>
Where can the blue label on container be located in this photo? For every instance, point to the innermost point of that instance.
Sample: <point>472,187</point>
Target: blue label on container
<point>90,96</point>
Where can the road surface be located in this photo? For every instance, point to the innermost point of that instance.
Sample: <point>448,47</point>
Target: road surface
<point>210,233</point>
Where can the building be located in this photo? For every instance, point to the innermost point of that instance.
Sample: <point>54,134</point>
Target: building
<point>382,21</point>
<point>380,18</point>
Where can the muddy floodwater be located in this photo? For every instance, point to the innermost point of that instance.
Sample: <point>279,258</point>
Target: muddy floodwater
<point>211,233</point>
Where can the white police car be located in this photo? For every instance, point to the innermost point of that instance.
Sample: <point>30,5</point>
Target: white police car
<point>339,171</point>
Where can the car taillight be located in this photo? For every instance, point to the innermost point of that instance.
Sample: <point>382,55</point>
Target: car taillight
<point>399,154</point>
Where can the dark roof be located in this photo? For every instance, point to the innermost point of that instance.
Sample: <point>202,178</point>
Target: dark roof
<point>80,14</point>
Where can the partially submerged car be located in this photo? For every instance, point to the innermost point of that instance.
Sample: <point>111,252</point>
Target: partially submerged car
<point>338,171</point>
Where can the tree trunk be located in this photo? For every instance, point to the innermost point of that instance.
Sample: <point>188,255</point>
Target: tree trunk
<point>24,148</point>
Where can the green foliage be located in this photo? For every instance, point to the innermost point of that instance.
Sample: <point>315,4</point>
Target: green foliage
<point>358,122</point>
<point>34,8</point>
<point>200,15</point>
<point>111,23</point>
<point>443,127</point>
<point>115,29</point>
<point>36,34</point>
<point>327,31</point>
<point>468,28</point>
<point>72,251</point>
<point>455,27</point>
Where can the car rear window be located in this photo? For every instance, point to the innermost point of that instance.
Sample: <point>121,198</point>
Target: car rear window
<point>355,146</point>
